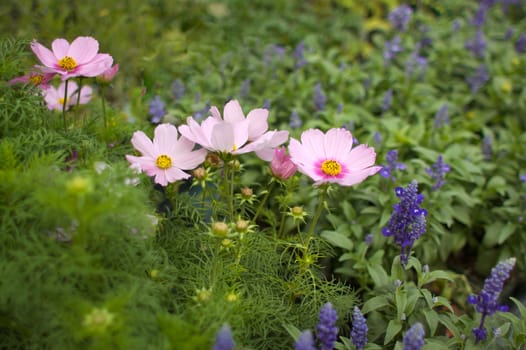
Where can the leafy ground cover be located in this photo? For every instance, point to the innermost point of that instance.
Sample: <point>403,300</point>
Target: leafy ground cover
<point>268,232</point>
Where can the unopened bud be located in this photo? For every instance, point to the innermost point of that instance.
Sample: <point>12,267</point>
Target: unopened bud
<point>219,229</point>
<point>242,226</point>
<point>246,193</point>
<point>200,173</point>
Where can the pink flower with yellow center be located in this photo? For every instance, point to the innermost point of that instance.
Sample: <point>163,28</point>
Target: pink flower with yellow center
<point>166,156</point>
<point>35,78</point>
<point>234,133</point>
<point>55,97</point>
<point>331,158</point>
<point>80,58</point>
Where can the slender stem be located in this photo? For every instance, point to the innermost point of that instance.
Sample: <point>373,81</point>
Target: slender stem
<point>231,194</point>
<point>103,99</point>
<point>263,201</point>
<point>78,103</point>
<point>64,104</point>
<point>319,210</point>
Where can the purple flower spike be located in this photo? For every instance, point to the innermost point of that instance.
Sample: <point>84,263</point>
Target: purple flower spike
<point>477,45</point>
<point>359,329</point>
<point>157,110</point>
<point>442,116</point>
<point>414,337</point>
<point>224,339</point>
<point>487,302</point>
<point>400,17</point>
<point>305,341</point>
<point>327,332</point>
<point>408,221</point>
<point>391,49</point>
<point>480,77</point>
<point>392,165</point>
<point>437,172</point>
<point>319,97</point>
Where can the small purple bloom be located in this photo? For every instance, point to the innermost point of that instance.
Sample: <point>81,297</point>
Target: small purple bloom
<point>520,45</point>
<point>156,110</point>
<point>480,16</point>
<point>437,172</point>
<point>523,177</point>
<point>266,104</point>
<point>400,17</point>
<point>368,239</point>
<point>414,337</point>
<point>339,109</point>
<point>487,302</point>
<point>487,148</point>
<point>224,340</point>
<point>273,52</point>
<point>299,55</point>
<point>359,329</point>
<point>305,341</point>
<point>202,112</point>
<point>442,116</point>
<point>415,62</point>
<point>477,45</point>
<point>478,79</point>
<point>319,97</point>
<point>377,137</point>
<point>508,34</point>
<point>392,165</point>
<point>391,49</point>
<point>295,120</point>
<point>244,88</point>
<point>456,25</point>
<point>408,221</point>
<point>387,100</point>
<point>326,330</point>
<point>178,89</point>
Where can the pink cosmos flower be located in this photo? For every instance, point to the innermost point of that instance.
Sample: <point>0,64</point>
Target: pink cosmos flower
<point>108,74</point>
<point>331,157</point>
<point>281,165</point>
<point>167,156</point>
<point>55,97</point>
<point>231,133</point>
<point>35,77</point>
<point>81,58</point>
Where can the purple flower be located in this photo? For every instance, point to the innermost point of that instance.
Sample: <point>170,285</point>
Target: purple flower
<point>377,137</point>
<point>487,149</point>
<point>408,221</point>
<point>480,16</point>
<point>487,302</point>
<point>224,339</point>
<point>244,88</point>
<point>442,116</point>
<point>202,112</point>
<point>478,79</point>
<point>456,25</point>
<point>339,109</point>
<point>520,45</point>
<point>400,17</point>
<point>156,110</point>
<point>477,45</point>
<point>272,52</point>
<point>319,97</point>
<point>305,341</point>
<point>437,172</point>
<point>178,89</point>
<point>414,337</point>
<point>299,55</point>
<point>392,165</point>
<point>359,329</point>
<point>391,49</point>
<point>523,177</point>
<point>266,104</point>
<point>387,100</point>
<point>508,34</point>
<point>326,330</point>
<point>415,62</point>
<point>295,120</point>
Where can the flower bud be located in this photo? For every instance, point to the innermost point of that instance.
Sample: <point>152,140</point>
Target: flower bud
<point>219,229</point>
<point>200,173</point>
<point>242,226</point>
<point>246,193</point>
<point>281,165</point>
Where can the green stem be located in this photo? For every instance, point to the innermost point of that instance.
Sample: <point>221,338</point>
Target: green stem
<point>78,103</point>
<point>64,104</point>
<point>319,210</point>
<point>103,99</point>
<point>263,201</point>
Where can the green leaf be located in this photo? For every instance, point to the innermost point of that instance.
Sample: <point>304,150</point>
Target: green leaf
<point>401,302</point>
<point>378,275</point>
<point>497,233</point>
<point>374,304</point>
<point>292,330</point>
<point>337,239</point>
<point>432,320</point>
<point>393,328</point>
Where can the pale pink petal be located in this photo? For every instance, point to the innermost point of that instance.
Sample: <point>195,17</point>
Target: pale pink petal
<point>143,144</point>
<point>257,123</point>
<point>60,48</point>
<point>196,133</point>
<point>360,158</point>
<point>174,174</point>
<point>145,164</point>
<point>337,142</point>
<point>86,93</point>
<point>45,55</point>
<point>189,160</point>
<point>233,112</point>
<point>240,133</point>
<point>222,139</point>
<point>165,138</point>
<point>72,88</point>
<point>83,49</point>
<point>183,145</point>
<point>312,140</point>
<point>357,177</point>
<point>265,144</point>
<point>101,63</point>
<point>160,178</point>
<point>215,113</point>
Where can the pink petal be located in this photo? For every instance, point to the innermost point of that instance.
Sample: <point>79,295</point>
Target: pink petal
<point>83,49</point>
<point>195,132</point>
<point>45,56</point>
<point>174,174</point>
<point>233,112</point>
<point>357,177</point>
<point>165,138</point>
<point>189,160</point>
<point>160,178</point>
<point>143,144</point>
<point>222,139</point>
<point>257,123</point>
<point>312,140</point>
<point>145,164</point>
<point>86,93</point>
<point>100,63</point>
<point>360,158</point>
<point>60,48</point>
<point>337,142</point>
<point>240,133</point>
<point>215,113</point>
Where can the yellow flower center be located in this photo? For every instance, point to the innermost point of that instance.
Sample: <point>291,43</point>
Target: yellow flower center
<point>36,79</point>
<point>331,167</point>
<point>61,101</point>
<point>67,63</point>
<point>163,162</point>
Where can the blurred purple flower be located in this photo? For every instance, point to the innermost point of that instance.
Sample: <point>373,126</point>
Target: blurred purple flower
<point>178,89</point>
<point>442,116</point>
<point>437,171</point>
<point>319,97</point>
<point>487,302</point>
<point>244,88</point>
<point>400,17</point>
<point>487,147</point>
<point>508,34</point>
<point>456,25</point>
<point>391,49</point>
<point>478,79</point>
<point>224,340</point>
<point>368,239</point>
<point>339,109</point>
<point>415,62</point>
<point>414,337</point>
<point>326,330</point>
<point>305,341</point>
<point>377,137</point>
<point>408,221</point>
<point>295,120</point>
<point>266,104</point>
<point>202,112</point>
<point>480,16</point>
<point>299,55</point>
<point>387,100</point>
<point>523,177</point>
<point>520,45</point>
<point>273,52</point>
<point>392,165</point>
<point>156,110</point>
<point>477,45</point>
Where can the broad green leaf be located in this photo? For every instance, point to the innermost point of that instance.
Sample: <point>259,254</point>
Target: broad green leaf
<point>374,303</point>
<point>393,328</point>
<point>337,239</point>
<point>378,274</point>
<point>432,320</point>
